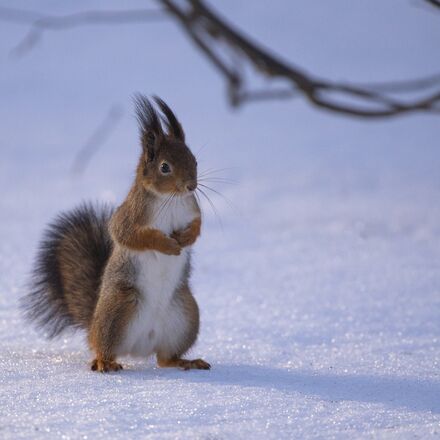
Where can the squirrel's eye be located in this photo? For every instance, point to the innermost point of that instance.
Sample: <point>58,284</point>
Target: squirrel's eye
<point>165,168</point>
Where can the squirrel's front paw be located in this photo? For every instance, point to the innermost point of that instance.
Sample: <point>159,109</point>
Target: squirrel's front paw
<point>171,247</point>
<point>105,366</point>
<point>185,237</point>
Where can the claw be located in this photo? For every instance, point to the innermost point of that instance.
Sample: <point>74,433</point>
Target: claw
<point>104,366</point>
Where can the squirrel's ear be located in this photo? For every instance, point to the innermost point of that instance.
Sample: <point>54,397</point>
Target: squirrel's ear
<point>174,127</point>
<point>149,125</point>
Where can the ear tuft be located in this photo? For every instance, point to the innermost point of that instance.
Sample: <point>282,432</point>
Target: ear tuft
<point>149,123</point>
<point>174,127</point>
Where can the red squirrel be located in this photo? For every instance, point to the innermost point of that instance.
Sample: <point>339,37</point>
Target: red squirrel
<point>123,275</point>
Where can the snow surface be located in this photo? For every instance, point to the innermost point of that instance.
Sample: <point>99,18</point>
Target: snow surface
<point>320,290</point>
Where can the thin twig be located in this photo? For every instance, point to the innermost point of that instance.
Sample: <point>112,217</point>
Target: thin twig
<point>228,49</point>
<point>40,23</point>
<point>210,33</point>
<point>435,3</point>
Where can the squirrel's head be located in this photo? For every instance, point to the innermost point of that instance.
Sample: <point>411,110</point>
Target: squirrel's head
<point>167,165</point>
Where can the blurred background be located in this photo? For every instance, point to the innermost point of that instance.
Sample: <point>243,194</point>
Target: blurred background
<point>55,97</point>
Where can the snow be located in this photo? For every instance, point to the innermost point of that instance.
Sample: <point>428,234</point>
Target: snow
<point>320,289</point>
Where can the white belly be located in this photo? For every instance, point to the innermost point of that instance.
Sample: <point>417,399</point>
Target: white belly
<point>158,277</point>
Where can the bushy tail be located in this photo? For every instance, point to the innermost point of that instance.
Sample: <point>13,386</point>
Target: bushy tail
<point>68,269</point>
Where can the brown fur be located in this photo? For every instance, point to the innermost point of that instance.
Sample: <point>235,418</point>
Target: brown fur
<point>104,366</point>
<point>86,270</point>
<point>189,235</point>
<point>129,225</point>
<point>116,305</point>
<point>129,228</point>
<point>66,278</point>
<point>184,364</point>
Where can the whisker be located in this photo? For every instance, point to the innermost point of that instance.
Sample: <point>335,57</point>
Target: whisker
<point>161,207</point>
<point>158,211</point>
<point>214,209</point>
<point>173,199</point>
<point>199,202</point>
<point>201,149</point>
<point>211,171</point>
<point>197,197</point>
<point>221,195</point>
<point>218,180</point>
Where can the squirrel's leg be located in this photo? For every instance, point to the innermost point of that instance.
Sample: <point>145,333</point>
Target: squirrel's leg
<point>175,344</point>
<point>113,312</point>
<point>104,366</point>
<point>183,364</point>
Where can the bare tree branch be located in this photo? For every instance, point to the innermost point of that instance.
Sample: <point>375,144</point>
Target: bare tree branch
<point>406,86</point>
<point>211,33</point>
<point>40,23</point>
<point>435,3</point>
<point>229,50</point>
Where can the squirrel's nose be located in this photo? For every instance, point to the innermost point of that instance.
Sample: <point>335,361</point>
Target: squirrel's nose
<point>191,186</point>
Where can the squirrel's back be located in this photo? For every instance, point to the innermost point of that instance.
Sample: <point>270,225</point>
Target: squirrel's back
<point>67,273</point>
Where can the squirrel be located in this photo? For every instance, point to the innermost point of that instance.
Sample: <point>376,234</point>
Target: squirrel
<point>123,275</point>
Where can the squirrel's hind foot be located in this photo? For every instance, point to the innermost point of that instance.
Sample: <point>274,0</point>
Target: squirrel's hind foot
<point>104,366</point>
<point>185,364</point>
